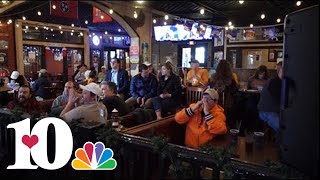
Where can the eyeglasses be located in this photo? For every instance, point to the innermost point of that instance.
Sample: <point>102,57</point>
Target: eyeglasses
<point>207,97</point>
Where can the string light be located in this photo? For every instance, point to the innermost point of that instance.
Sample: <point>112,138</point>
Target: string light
<point>72,25</point>
<point>59,27</point>
<point>54,7</point>
<point>61,32</point>
<point>119,30</point>
<point>86,22</point>
<point>39,13</point>
<point>166,17</point>
<point>229,23</point>
<point>278,20</point>
<point>263,16</point>
<point>105,32</point>
<point>135,15</point>
<point>110,11</point>
<point>165,23</point>
<point>101,16</point>
<point>36,28</point>
<point>17,25</point>
<point>154,21</point>
<point>24,18</point>
<point>251,25</point>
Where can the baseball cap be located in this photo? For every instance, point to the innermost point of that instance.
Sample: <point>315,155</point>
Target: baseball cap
<point>147,63</point>
<point>86,74</point>
<point>92,87</point>
<point>103,67</point>
<point>194,61</point>
<point>43,71</point>
<point>14,75</point>
<point>279,60</point>
<point>213,93</point>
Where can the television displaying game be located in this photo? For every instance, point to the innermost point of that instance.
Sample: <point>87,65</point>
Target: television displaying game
<point>181,32</point>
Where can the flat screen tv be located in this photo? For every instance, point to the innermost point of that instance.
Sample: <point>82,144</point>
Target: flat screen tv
<point>181,32</point>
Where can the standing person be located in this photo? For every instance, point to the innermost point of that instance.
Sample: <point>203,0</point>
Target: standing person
<point>61,101</point>
<point>120,77</point>
<point>169,92</point>
<point>269,104</point>
<point>226,86</point>
<point>111,100</point>
<point>205,119</point>
<point>197,76</point>
<point>40,84</point>
<point>142,88</point>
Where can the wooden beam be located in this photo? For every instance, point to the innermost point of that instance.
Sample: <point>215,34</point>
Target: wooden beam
<point>52,44</point>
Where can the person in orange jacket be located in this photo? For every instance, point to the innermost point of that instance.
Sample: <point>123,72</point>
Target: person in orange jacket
<point>205,120</point>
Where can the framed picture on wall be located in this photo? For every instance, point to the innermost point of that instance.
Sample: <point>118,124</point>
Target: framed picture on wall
<point>272,55</point>
<point>218,38</point>
<point>217,57</point>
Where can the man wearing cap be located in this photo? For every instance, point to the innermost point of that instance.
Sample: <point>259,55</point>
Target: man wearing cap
<point>205,119</point>
<point>89,109</point>
<point>39,85</point>
<point>197,76</point>
<point>150,68</point>
<point>16,77</point>
<point>102,74</point>
<point>269,103</point>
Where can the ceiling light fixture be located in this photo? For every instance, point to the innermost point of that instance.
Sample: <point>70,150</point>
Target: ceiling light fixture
<point>140,2</point>
<point>298,3</point>
<point>241,2</point>
<point>202,11</point>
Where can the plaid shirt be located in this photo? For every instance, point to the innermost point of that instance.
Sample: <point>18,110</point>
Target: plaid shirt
<point>30,105</point>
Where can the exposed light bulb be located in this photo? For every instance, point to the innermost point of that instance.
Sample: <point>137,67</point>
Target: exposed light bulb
<point>140,2</point>
<point>231,27</point>
<point>251,25</point>
<point>166,17</point>
<point>119,30</point>
<point>105,32</point>
<point>226,27</point>
<point>298,3</point>
<point>39,13</point>
<point>61,32</point>
<point>135,15</point>
<point>278,20</point>
<point>202,11</point>
<point>59,27</point>
<point>154,21</point>
<point>263,16</point>
<point>165,23</point>
<point>24,18</point>
<point>110,11</point>
<point>17,25</point>
<point>229,23</point>
<point>27,27</point>
<point>86,22</point>
<point>71,33</point>
<point>36,28</point>
<point>72,25</point>
<point>54,6</point>
<point>241,2</point>
<point>102,17</point>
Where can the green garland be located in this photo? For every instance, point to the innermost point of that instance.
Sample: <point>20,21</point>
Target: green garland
<point>285,171</point>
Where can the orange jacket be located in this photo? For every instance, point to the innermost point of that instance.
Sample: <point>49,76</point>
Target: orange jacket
<point>201,74</point>
<point>202,128</point>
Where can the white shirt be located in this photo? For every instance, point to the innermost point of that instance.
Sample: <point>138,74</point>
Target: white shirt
<point>114,76</point>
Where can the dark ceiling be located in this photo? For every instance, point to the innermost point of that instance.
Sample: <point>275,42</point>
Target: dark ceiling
<point>221,12</point>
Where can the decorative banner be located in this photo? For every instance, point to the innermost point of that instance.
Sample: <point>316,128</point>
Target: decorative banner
<point>134,50</point>
<point>99,16</point>
<point>66,9</point>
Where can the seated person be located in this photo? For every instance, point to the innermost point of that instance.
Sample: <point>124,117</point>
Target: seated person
<point>39,85</point>
<point>259,78</point>
<point>88,109</point>
<point>197,76</point>
<point>102,74</point>
<point>111,100</point>
<point>25,101</point>
<point>168,93</point>
<point>61,101</point>
<point>205,120</point>
<point>142,88</point>
<point>79,78</point>
<point>16,80</point>
<point>269,104</point>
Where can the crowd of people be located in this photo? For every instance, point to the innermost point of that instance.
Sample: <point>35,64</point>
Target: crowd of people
<point>92,96</point>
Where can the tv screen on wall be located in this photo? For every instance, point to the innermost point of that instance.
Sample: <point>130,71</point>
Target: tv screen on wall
<point>181,32</point>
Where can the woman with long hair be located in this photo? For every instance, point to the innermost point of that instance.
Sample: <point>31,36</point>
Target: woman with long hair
<point>168,93</point>
<point>226,86</point>
<point>259,78</point>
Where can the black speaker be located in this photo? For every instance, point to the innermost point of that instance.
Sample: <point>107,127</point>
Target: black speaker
<point>299,116</point>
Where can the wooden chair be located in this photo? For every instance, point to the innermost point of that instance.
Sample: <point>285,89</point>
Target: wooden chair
<point>194,94</point>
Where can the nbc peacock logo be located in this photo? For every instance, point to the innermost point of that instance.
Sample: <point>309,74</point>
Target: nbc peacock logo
<point>94,157</point>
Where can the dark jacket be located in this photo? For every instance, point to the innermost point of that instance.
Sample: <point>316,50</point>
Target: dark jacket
<point>270,96</point>
<point>39,87</point>
<point>123,80</point>
<point>172,86</point>
<point>115,102</point>
<point>143,87</point>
